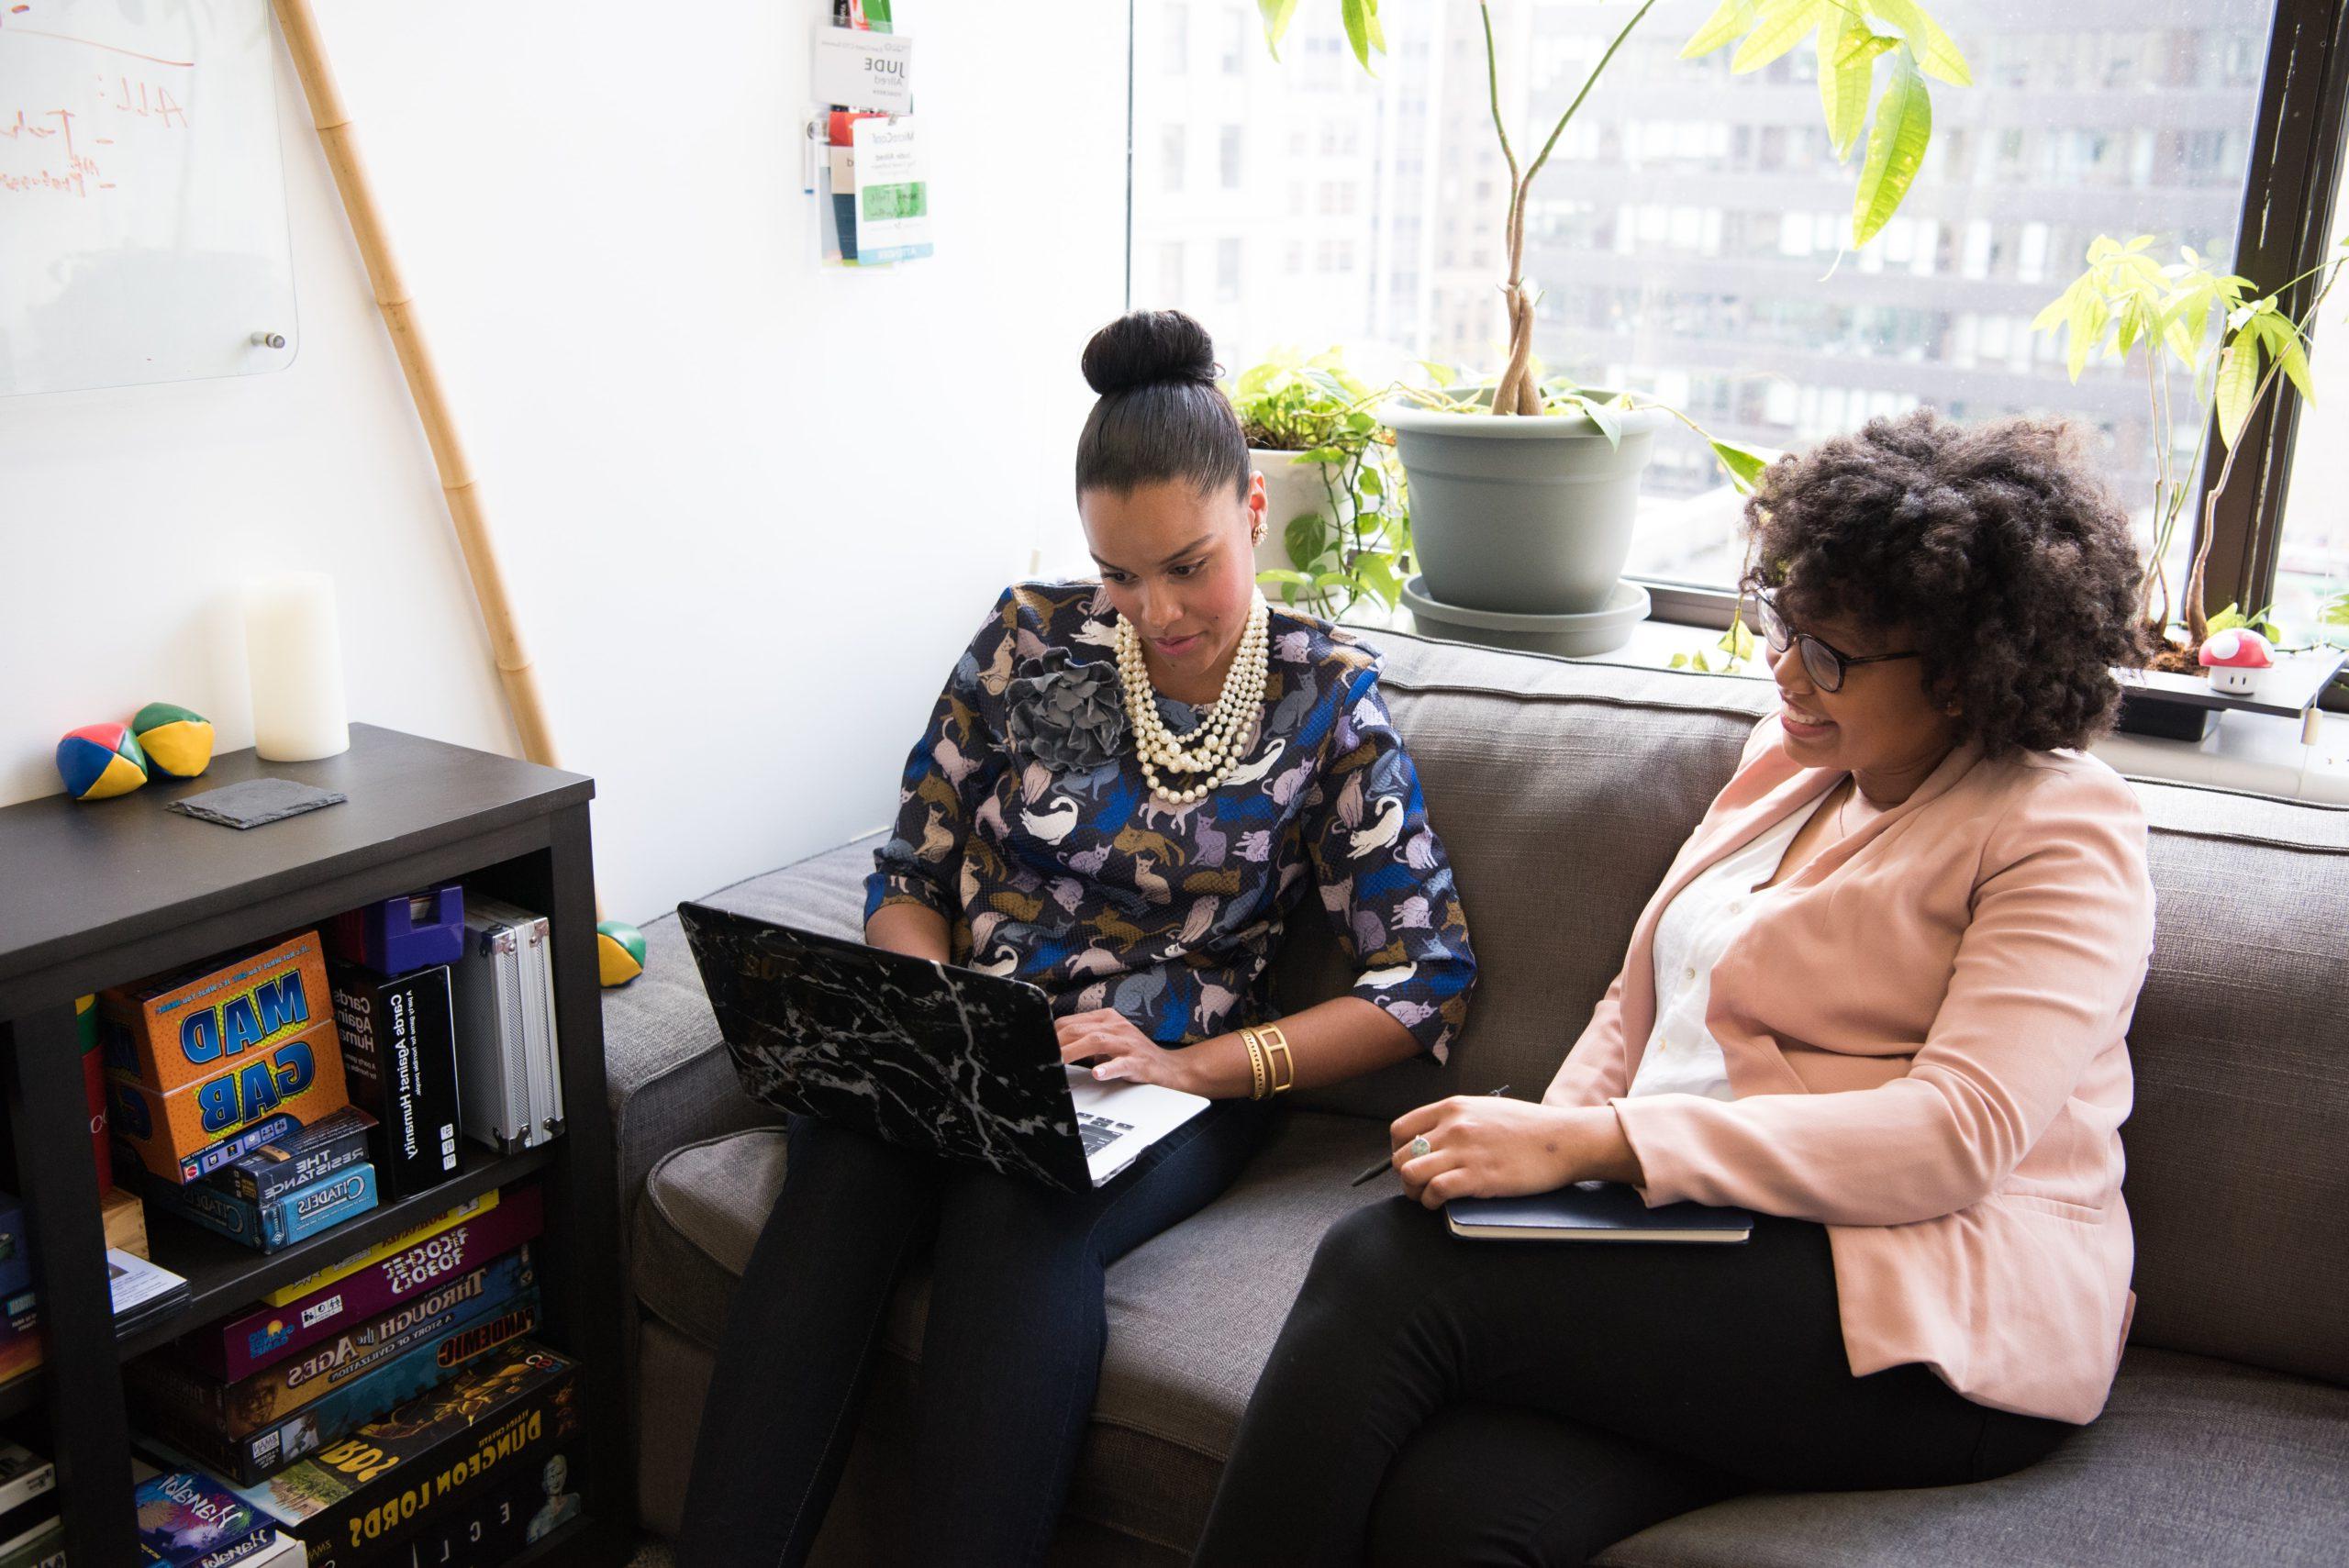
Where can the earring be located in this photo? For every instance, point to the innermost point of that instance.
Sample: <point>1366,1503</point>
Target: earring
<point>1257,534</point>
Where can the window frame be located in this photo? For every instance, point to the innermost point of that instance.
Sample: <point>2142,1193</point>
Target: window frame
<point>2285,228</point>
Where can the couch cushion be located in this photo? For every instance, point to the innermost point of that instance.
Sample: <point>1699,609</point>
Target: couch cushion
<point>1192,1314</point>
<point>2237,1184</point>
<point>2194,1462</point>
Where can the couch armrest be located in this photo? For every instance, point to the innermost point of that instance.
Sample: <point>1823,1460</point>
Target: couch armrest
<point>666,1072</point>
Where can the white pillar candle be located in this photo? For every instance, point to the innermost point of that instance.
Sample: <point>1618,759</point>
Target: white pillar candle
<point>293,656</point>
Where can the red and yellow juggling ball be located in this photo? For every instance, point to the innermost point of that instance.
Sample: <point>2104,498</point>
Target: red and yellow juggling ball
<point>177,740</point>
<point>100,760</point>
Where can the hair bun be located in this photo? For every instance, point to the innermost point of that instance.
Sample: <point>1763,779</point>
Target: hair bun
<point>1144,347</point>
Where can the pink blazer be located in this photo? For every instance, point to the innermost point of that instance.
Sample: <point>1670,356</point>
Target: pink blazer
<point>1927,1037</point>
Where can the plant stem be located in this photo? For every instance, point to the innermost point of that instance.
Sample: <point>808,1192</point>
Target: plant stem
<point>1515,393</point>
<point>2197,623</point>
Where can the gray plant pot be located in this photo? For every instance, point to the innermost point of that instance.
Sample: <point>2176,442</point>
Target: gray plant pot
<point>1524,515</point>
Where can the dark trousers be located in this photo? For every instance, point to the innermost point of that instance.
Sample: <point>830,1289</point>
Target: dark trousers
<point>1432,1400</point>
<point>1009,1358</point>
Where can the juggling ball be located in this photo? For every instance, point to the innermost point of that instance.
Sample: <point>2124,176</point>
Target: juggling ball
<point>100,760</point>
<point>619,952</point>
<point>177,741</point>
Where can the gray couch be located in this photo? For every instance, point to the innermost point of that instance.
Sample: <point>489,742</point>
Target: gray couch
<point>1562,791</point>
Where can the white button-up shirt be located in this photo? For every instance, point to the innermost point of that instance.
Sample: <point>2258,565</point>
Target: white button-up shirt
<point>1682,1056</point>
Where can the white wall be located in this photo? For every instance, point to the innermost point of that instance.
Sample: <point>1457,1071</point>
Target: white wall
<point>750,505</point>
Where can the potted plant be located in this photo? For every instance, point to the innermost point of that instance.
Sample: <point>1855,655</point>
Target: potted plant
<point>1524,488</point>
<point>1340,539</point>
<point>2125,303</point>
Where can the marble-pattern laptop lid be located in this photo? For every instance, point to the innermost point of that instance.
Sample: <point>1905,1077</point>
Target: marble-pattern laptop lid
<point>947,1060</point>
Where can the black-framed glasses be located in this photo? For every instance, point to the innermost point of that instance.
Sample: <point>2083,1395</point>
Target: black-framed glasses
<point>1821,660</point>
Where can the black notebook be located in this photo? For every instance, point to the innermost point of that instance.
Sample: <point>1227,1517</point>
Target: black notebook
<point>1593,1211</point>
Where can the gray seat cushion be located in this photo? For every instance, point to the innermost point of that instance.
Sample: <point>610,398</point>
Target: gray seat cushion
<point>2194,1463</point>
<point>1192,1314</point>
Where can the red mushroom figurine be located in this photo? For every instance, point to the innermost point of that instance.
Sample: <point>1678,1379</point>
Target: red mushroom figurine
<point>2234,659</point>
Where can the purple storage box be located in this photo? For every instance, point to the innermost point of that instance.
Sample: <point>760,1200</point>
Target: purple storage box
<point>414,930</point>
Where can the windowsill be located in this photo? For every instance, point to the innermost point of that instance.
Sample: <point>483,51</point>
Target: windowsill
<point>2249,751</point>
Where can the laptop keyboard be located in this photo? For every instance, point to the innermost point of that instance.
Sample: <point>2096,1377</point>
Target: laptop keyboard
<point>1099,1131</point>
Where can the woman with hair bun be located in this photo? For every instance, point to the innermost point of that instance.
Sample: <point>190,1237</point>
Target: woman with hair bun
<point>1124,790</point>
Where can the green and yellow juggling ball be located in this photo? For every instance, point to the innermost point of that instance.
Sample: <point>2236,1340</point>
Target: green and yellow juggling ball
<point>619,952</point>
<point>177,741</point>
<point>99,762</point>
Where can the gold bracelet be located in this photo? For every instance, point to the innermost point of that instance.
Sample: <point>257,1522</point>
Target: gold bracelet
<point>1277,1055</point>
<point>1257,1070</point>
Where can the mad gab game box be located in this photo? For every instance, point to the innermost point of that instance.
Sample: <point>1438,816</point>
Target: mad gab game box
<point>199,1056</point>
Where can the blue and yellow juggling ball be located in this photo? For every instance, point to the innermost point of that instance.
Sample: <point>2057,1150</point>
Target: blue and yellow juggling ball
<point>619,952</point>
<point>99,762</point>
<point>177,740</point>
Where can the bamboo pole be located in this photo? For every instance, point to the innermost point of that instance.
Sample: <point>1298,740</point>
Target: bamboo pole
<point>393,301</point>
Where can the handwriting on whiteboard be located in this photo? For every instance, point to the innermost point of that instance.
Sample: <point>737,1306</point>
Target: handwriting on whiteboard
<point>62,144</point>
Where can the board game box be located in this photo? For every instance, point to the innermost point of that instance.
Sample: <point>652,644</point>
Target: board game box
<point>243,1345</point>
<point>165,1381</point>
<point>399,1059</point>
<point>390,1478</point>
<point>457,1214</point>
<point>280,1221</point>
<point>270,1448</point>
<point>299,1158</point>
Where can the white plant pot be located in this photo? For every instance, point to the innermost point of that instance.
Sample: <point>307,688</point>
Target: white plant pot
<point>1291,490</point>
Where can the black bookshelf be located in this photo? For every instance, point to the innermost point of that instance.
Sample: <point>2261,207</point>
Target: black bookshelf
<point>95,895</point>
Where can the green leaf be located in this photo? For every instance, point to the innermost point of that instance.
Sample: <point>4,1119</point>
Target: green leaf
<point>1308,538</point>
<point>1686,662</point>
<point>1370,481</point>
<point>1378,574</point>
<point>1726,23</point>
<point>1276,14</point>
<point>1738,640</point>
<point>1842,93</point>
<point>1441,375</point>
<point>1356,13</point>
<point>1377,32</point>
<point>1744,464</point>
<point>2238,380</point>
<point>1783,25</point>
<point>1608,420</point>
<point>2336,609</point>
<point>1935,49</point>
<point>1904,125</point>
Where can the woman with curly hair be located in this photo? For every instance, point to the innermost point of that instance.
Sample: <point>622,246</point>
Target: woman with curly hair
<point>1880,1000</point>
<point>1125,790</point>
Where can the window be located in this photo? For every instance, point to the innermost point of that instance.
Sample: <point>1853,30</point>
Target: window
<point>1688,233</point>
<point>1170,160</point>
<point>1174,35</point>
<point>1227,269</point>
<point>2313,549</point>
<point>1228,156</point>
<point>1170,269</point>
<point>1237,33</point>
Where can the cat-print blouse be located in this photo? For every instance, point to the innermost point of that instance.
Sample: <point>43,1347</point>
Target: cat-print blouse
<point>1024,821</point>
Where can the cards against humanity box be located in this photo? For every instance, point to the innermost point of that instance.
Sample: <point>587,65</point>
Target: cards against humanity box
<point>399,1055</point>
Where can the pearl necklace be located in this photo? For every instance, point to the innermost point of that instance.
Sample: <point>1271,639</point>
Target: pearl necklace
<point>1215,749</point>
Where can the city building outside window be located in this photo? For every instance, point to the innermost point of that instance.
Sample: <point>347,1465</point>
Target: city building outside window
<point>1688,235</point>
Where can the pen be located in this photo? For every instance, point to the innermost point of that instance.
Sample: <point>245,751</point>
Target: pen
<point>1389,1163</point>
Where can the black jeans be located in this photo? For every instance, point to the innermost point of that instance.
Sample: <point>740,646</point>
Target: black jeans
<point>1432,1400</point>
<point>1009,1357</point>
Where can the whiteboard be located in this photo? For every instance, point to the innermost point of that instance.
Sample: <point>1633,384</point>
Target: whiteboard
<point>142,194</point>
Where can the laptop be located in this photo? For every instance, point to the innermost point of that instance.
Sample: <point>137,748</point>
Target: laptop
<point>946,1061</point>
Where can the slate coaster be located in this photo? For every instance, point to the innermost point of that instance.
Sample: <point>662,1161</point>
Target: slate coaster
<point>254,802</point>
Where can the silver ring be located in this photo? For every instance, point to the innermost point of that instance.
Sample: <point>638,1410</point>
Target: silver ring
<point>1420,1147</point>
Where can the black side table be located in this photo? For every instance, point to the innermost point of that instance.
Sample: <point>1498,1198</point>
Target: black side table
<point>99,894</point>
